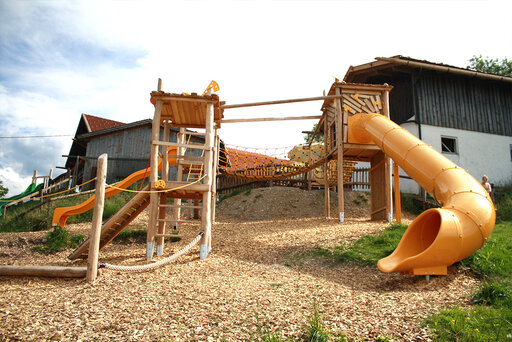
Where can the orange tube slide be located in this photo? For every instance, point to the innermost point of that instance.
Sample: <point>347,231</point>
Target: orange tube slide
<point>60,215</point>
<point>438,237</point>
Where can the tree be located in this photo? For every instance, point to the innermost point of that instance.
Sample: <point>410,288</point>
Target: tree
<point>318,137</point>
<point>490,65</point>
<point>3,190</point>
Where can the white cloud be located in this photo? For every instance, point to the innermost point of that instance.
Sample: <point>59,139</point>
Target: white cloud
<point>13,181</point>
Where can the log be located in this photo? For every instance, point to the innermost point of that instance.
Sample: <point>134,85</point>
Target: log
<point>45,271</point>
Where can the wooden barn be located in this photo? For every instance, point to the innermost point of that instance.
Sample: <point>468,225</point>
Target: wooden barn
<point>464,114</point>
<point>127,147</point>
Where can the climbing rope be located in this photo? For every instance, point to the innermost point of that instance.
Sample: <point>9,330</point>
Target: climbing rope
<point>49,195</point>
<point>142,268</point>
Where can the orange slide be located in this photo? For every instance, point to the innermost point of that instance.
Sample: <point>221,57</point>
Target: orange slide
<point>438,237</point>
<point>60,215</point>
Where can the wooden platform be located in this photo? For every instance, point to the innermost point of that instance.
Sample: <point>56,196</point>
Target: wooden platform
<point>357,152</point>
<point>187,110</point>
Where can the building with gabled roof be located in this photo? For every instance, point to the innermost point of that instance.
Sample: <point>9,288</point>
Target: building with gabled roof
<point>87,124</point>
<point>464,114</point>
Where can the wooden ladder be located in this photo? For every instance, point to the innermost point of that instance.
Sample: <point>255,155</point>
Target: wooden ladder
<point>116,223</point>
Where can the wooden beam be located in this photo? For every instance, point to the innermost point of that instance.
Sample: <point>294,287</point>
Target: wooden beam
<point>311,117</point>
<point>264,103</point>
<point>398,204</point>
<point>339,143</point>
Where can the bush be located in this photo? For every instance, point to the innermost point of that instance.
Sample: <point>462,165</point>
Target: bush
<point>504,208</point>
<point>59,239</point>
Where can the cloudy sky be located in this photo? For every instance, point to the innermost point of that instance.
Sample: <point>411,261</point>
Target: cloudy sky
<point>59,59</point>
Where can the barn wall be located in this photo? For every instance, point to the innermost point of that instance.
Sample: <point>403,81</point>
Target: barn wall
<point>461,102</point>
<point>128,151</point>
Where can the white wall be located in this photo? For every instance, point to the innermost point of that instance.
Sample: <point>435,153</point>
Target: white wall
<point>478,153</point>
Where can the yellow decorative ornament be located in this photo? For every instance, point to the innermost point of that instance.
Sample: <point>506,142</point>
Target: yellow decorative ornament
<point>213,85</point>
<point>160,184</point>
<point>356,96</point>
<point>376,103</point>
<point>346,108</point>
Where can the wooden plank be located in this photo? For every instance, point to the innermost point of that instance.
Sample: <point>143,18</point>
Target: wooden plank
<point>190,145</point>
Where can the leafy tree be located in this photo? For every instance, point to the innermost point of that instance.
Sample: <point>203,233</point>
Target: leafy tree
<point>3,190</point>
<point>317,138</point>
<point>490,65</point>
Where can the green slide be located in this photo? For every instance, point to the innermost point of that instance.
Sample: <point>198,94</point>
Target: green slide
<point>30,190</point>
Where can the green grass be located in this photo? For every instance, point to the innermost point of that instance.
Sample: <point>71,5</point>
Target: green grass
<point>21,219</point>
<point>490,319</point>
<point>365,251</point>
<point>314,330</point>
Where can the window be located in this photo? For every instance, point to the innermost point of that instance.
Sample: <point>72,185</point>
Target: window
<point>449,145</point>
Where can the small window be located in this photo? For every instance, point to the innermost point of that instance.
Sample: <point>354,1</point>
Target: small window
<point>449,145</point>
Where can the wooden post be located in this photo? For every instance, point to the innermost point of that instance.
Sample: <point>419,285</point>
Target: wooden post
<point>214,177</point>
<point>153,178</point>
<point>398,204</point>
<point>327,192</point>
<point>34,177</point>
<point>388,168</point>
<point>206,218</point>
<point>339,142</point>
<point>97,216</point>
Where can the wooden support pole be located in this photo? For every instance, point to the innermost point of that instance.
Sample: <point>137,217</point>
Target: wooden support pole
<point>327,192</point>
<point>339,142</point>
<point>153,213</point>
<point>388,170</point>
<point>214,178</point>
<point>34,177</point>
<point>398,204</point>
<point>97,217</point>
<point>206,218</point>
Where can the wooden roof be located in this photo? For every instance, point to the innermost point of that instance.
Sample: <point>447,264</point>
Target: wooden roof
<point>187,110</point>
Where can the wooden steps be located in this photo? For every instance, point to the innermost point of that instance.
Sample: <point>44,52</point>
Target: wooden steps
<point>113,226</point>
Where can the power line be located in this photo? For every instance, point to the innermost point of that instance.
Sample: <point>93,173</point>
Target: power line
<point>37,136</point>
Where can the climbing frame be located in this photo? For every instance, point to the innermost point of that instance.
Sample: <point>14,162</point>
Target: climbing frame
<point>353,99</point>
<point>196,169</point>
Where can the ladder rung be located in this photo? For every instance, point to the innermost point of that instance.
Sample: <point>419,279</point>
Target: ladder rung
<point>175,236</point>
<point>181,206</point>
<point>179,221</point>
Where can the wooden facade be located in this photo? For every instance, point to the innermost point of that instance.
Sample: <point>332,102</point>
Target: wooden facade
<point>439,95</point>
<point>128,148</point>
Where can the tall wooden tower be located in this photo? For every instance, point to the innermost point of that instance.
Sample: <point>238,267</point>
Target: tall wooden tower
<point>194,178</point>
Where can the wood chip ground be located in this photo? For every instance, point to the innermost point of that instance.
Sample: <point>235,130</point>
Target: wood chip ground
<point>247,273</point>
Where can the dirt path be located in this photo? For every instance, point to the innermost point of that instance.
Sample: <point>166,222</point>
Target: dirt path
<point>193,300</point>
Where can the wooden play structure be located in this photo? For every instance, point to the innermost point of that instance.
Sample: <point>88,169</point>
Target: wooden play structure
<point>355,126</point>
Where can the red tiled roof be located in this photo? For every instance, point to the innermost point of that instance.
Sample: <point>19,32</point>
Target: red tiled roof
<point>240,159</point>
<point>97,124</point>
